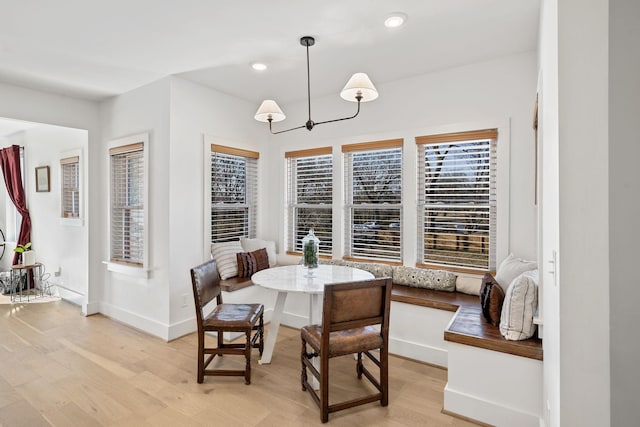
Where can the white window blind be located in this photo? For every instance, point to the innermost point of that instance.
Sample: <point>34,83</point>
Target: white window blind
<point>310,197</point>
<point>234,190</point>
<point>127,204</point>
<point>373,181</point>
<point>457,199</point>
<point>70,187</point>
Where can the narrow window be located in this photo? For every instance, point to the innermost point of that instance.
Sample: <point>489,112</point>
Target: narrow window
<point>70,187</point>
<point>234,192</point>
<point>373,181</point>
<point>127,204</point>
<point>457,199</point>
<point>309,198</point>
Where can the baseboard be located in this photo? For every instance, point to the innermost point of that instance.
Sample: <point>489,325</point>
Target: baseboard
<point>150,326</point>
<point>416,351</point>
<point>90,308</point>
<point>486,411</point>
<point>294,320</point>
<point>184,327</point>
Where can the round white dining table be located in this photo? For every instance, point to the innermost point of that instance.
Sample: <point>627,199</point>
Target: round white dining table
<point>295,279</point>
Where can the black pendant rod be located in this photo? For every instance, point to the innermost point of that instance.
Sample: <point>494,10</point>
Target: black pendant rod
<point>308,41</point>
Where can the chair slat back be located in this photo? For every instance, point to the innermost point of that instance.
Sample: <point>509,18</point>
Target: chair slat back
<point>356,304</point>
<point>206,285</point>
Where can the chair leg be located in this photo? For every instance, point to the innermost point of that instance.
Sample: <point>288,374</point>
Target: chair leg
<point>324,387</point>
<point>200,358</point>
<point>359,367</point>
<point>303,374</point>
<point>261,332</point>
<point>384,376</point>
<point>247,355</point>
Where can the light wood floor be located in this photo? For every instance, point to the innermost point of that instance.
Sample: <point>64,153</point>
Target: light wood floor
<point>60,368</point>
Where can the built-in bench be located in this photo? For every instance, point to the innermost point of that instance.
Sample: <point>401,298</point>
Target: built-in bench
<point>490,379</point>
<point>235,283</point>
<point>468,326</point>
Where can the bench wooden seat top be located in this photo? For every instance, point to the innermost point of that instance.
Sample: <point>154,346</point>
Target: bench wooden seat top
<point>468,326</point>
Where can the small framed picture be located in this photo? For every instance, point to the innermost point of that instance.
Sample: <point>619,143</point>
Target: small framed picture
<point>42,179</point>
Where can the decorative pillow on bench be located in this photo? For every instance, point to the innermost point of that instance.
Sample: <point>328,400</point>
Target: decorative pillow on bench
<point>437,280</point>
<point>520,303</point>
<point>511,268</point>
<point>491,299</point>
<point>252,262</point>
<point>250,245</point>
<point>225,256</point>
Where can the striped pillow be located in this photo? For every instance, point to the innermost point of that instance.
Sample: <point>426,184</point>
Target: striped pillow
<point>225,256</point>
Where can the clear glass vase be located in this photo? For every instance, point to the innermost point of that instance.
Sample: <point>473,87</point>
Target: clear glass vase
<point>310,247</point>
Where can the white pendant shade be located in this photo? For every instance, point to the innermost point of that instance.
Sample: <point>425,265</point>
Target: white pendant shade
<point>361,83</point>
<point>269,110</point>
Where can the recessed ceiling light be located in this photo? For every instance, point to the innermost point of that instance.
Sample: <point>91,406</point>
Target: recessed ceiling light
<point>259,66</point>
<point>395,20</point>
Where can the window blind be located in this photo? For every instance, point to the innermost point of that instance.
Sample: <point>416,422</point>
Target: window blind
<point>234,175</point>
<point>373,181</point>
<point>310,198</point>
<point>457,199</point>
<point>70,187</point>
<point>127,204</point>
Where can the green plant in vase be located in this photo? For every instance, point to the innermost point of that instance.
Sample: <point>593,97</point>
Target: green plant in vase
<point>310,244</point>
<point>26,255</point>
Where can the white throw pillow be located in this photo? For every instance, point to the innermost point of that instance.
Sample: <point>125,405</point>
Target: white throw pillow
<point>511,268</point>
<point>519,307</point>
<point>468,285</point>
<point>250,245</point>
<point>225,256</point>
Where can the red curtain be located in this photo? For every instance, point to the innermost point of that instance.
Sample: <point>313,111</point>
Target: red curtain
<point>10,162</point>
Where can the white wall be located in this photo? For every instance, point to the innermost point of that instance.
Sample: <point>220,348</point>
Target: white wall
<point>584,218</point>
<point>58,245</point>
<point>548,136</point>
<point>143,303</point>
<point>624,208</point>
<point>35,106</point>
<point>497,93</point>
<point>197,111</point>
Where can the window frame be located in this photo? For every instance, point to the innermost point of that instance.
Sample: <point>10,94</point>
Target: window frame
<point>349,205</point>
<point>251,182</point>
<point>291,238</point>
<point>142,269</point>
<point>71,157</point>
<point>496,196</point>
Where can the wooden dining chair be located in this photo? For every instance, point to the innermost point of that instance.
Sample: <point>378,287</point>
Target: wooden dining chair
<point>350,315</point>
<point>243,318</point>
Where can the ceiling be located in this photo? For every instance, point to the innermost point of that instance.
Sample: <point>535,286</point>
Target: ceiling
<point>94,50</point>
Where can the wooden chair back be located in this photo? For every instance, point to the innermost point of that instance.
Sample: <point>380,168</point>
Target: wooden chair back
<point>206,286</point>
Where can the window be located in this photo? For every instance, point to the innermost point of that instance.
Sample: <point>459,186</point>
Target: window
<point>373,180</point>
<point>70,167</point>
<point>233,193</point>
<point>309,197</point>
<point>128,204</point>
<point>457,199</point>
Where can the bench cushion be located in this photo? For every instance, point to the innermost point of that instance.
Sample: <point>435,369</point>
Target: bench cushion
<point>424,278</point>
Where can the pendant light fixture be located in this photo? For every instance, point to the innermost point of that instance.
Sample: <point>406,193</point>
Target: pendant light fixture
<point>358,89</point>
